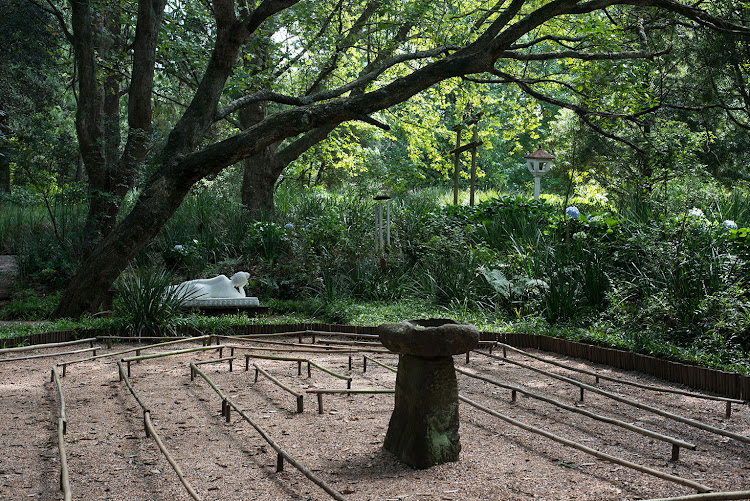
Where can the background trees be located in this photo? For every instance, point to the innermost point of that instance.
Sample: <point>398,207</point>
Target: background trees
<point>177,92</point>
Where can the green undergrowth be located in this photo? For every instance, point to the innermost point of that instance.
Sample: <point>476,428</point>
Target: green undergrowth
<point>707,351</point>
<point>200,322</point>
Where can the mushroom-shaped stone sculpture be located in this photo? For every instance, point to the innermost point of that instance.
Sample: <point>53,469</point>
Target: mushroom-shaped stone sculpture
<point>423,430</point>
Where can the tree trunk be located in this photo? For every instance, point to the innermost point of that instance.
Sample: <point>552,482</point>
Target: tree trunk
<point>4,154</point>
<point>4,172</point>
<point>258,182</point>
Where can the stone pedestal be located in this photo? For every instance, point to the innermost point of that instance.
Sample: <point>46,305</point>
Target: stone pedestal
<point>423,430</point>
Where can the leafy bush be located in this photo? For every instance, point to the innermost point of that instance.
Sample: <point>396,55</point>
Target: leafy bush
<point>146,303</point>
<point>30,304</point>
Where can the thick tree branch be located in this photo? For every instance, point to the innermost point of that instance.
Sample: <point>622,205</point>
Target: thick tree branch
<point>265,10</point>
<point>266,95</point>
<point>584,56</point>
<point>51,8</point>
<point>700,16</point>
<point>140,114</point>
<point>549,38</point>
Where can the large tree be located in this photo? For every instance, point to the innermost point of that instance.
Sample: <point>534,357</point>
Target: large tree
<point>505,39</point>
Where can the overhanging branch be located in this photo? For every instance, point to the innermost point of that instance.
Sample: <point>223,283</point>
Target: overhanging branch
<point>322,96</point>
<point>584,56</point>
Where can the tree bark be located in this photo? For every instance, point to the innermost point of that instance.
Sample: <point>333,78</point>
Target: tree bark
<point>4,170</point>
<point>4,154</point>
<point>258,182</point>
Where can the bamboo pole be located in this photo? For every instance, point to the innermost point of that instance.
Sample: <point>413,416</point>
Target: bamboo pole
<point>56,379</point>
<point>47,345</point>
<point>310,475</point>
<point>299,334</point>
<point>350,343</point>
<point>366,358</point>
<point>131,350</point>
<point>355,391</point>
<point>282,343</point>
<point>297,396</point>
<point>571,408</point>
<point>299,361</point>
<point>348,379</point>
<point>64,474</point>
<point>598,376</point>
<point>330,391</point>
<point>217,360</point>
<point>47,355</point>
<point>171,353</point>
<point>613,396</point>
<point>709,496</point>
<point>124,377</point>
<point>343,351</point>
<point>152,432</point>
<point>588,450</point>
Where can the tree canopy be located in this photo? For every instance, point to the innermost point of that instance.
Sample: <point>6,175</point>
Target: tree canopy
<point>300,69</point>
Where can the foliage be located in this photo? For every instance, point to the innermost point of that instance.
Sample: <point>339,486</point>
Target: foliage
<point>29,304</point>
<point>146,303</point>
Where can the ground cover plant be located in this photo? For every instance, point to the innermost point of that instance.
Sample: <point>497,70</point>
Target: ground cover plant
<point>629,275</point>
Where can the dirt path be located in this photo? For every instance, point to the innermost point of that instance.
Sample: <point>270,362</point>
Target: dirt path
<point>111,459</point>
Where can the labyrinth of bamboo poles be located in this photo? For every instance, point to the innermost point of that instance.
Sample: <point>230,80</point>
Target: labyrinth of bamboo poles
<point>639,405</point>
<point>660,389</point>
<point>588,450</point>
<point>282,455</point>
<point>151,432</point>
<point>729,384</point>
<point>676,443</point>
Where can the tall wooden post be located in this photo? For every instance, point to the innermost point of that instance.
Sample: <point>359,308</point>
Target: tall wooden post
<point>473,167</point>
<point>456,164</point>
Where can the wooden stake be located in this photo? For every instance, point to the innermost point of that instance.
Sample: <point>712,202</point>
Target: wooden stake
<point>456,166</point>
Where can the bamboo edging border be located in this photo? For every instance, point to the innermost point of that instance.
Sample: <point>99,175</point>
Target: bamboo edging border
<point>151,432</point>
<point>282,454</point>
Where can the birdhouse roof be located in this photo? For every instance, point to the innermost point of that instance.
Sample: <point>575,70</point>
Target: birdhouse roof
<point>539,154</point>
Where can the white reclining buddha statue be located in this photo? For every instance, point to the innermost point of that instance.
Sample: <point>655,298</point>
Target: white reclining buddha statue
<point>216,291</point>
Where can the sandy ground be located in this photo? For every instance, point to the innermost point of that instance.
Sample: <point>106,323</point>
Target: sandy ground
<point>110,458</point>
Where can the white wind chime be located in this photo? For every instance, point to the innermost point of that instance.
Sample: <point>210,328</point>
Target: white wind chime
<point>382,228</point>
